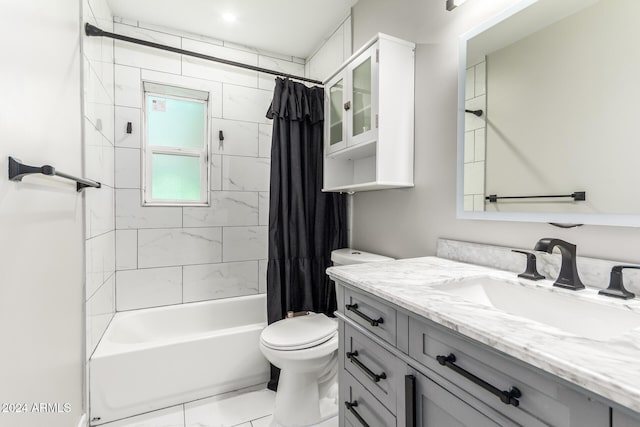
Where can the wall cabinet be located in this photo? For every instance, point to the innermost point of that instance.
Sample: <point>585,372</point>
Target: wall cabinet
<point>369,118</point>
<point>391,375</point>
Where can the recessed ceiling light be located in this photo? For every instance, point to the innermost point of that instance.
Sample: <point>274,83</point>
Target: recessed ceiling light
<point>229,17</point>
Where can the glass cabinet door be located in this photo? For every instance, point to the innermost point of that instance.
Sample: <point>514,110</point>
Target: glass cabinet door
<point>361,95</point>
<point>362,103</point>
<point>336,124</point>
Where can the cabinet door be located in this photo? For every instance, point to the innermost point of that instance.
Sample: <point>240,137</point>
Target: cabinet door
<point>618,419</point>
<point>362,101</point>
<point>437,407</point>
<point>335,123</point>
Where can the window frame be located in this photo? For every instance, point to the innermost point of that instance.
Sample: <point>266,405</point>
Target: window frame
<point>204,154</point>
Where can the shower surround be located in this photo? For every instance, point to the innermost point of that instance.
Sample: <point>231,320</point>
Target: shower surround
<point>174,255</point>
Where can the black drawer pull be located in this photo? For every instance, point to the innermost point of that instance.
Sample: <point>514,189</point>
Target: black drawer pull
<point>353,356</point>
<point>350,406</point>
<point>373,322</point>
<point>507,397</point>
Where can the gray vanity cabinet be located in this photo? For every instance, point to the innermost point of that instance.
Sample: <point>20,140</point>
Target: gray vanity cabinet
<point>619,419</point>
<point>435,406</point>
<point>390,375</point>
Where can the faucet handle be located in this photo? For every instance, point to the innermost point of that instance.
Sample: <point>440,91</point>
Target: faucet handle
<point>531,272</point>
<point>616,286</point>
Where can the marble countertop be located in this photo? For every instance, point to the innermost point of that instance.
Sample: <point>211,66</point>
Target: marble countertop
<point>607,367</point>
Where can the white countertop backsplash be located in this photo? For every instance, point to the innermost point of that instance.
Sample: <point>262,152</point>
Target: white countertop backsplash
<point>610,368</point>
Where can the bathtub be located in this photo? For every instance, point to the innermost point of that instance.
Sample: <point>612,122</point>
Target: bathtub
<point>154,358</point>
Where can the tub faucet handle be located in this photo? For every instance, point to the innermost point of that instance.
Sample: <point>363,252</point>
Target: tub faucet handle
<point>531,271</point>
<point>616,286</point>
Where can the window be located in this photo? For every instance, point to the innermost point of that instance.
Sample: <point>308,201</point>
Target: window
<point>176,146</point>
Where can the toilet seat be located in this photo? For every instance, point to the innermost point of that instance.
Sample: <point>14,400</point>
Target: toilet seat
<point>299,333</point>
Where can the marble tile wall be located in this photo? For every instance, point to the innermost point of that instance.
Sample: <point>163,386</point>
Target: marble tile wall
<point>474,138</point>
<point>594,273</point>
<point>175,255</point>
<point>99,152</point>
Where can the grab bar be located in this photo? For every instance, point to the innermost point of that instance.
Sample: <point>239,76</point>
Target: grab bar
<point>18,170</point>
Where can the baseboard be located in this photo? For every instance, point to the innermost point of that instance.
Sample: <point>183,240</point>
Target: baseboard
<point>83,421</point>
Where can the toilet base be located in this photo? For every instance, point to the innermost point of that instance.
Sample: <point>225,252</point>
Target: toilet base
<point>299,404</point>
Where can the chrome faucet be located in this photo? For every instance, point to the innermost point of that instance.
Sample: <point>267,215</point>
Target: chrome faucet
<point>568,277</point>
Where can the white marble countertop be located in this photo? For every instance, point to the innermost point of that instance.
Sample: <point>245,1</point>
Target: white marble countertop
<point>607,367</point>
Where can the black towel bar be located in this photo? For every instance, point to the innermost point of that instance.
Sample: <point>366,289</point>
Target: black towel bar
<point>577,196</point>
<point>18,170</point>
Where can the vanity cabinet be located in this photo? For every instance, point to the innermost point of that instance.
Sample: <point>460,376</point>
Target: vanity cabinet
<point>390,375</point>
<point>369,114</point>
<point>619,419</point>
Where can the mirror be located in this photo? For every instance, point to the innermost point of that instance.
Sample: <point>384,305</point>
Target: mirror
<point>549,98</point>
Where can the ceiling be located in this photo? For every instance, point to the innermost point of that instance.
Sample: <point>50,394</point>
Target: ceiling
<point>290,27</point>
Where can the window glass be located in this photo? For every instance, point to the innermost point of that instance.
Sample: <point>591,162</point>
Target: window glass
<point>175,177</point>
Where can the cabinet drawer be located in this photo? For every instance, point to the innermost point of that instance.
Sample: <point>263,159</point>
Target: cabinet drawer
<point>365,405</point>
<point>374,316</point>
<point>543,398</point>
<point>374,367</point>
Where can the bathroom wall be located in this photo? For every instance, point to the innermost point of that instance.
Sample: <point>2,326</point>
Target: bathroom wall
<point>41,218</point>
<point>99,165</point>
<point>407,222</point>
<point>331,53</point>
<point>174,255</point>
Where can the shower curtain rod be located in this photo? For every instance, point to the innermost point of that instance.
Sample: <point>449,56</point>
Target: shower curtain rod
<point>93,31</point>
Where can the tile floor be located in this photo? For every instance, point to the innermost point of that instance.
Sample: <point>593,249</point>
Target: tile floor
<point>239,409</point>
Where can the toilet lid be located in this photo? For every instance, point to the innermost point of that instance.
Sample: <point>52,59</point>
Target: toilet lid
<point>300,332</point>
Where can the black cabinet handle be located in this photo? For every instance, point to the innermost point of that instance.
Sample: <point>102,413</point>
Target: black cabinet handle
<point>372,322</point>
<point>350,406</point>
<point>410,400</point>
<point>353,356</point>
<point>507,397</point>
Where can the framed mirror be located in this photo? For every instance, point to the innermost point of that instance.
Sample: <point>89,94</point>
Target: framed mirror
<point>549,106</point>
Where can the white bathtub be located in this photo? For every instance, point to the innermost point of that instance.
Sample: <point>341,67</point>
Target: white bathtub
<point>153,358</point>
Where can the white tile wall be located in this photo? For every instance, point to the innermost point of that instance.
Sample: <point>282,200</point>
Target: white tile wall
<point>124,115</point>
<point>240,138</point>
<point>264,140</point>
<point>98,140</point>
<point>245,103</point>
<point>227,208</point>
<point>148,287</point>
<point>126,249</point>
<point>245,243</point>
<point>146,57</point>
<point>245,173</point>
<point>195,67</point>
<point>128,91</point>
<point>221,249</point>
<point>267,81</point>
<point>128,168</point>
<point>213,281</point>
<point>263,208</point>
<point>131,214</point>
<point>99,311</point>
<point>179,246</point>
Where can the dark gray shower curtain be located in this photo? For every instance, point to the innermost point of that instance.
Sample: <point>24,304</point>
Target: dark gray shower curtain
<point>305,224</point>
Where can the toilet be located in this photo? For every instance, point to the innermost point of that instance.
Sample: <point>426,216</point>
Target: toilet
<point>305,348</point>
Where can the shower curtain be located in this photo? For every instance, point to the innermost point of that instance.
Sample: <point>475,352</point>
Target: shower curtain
<point>305,224</point>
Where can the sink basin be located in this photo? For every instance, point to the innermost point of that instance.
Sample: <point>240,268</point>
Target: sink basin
<point>558,309</point>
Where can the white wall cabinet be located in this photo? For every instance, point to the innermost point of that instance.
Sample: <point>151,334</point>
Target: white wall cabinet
<point>369,118</point>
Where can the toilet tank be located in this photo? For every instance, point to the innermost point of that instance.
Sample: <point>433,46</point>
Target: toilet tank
<point>348,256</point>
